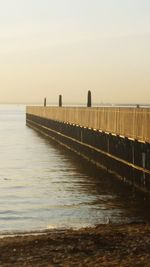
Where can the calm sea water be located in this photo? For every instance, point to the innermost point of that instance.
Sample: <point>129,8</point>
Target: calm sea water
<point>44,186</point>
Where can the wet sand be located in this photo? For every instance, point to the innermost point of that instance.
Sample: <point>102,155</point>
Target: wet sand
<point>104,245</point>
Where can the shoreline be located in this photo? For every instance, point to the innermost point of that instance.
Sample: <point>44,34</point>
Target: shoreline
<point>103,245</point>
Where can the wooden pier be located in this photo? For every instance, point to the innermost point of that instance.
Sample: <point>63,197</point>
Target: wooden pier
<point>114,138</point>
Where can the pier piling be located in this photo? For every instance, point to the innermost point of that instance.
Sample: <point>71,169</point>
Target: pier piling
<point>89,99</point>
<point>45,102</point>
<point>60,100</point>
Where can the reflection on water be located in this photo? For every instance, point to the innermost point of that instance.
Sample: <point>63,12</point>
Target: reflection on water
<point>43,185</point>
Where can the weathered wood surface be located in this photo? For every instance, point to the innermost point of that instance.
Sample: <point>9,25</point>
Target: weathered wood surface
<point>129,122</point>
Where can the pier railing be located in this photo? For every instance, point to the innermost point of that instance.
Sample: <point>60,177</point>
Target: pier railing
<point>128,122</point>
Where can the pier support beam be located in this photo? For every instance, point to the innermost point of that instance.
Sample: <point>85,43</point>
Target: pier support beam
<point>89,99</point>
<point>60,100</point>
<point>45,102</point>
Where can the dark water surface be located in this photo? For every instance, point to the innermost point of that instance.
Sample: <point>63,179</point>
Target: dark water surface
<point>44,186</point>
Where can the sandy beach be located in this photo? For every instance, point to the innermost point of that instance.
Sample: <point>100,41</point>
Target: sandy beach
<point>104,245</point>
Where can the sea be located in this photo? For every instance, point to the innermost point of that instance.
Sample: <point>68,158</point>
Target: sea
<point>44,186</point>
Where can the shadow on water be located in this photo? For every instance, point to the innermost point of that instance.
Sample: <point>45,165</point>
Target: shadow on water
<point>110,191</point>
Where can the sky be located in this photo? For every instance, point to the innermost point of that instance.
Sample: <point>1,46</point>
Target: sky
<point>68,47</point>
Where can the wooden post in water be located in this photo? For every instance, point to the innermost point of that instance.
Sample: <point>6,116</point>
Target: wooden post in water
<point>60,100</point>
<point>89,99</point>
<point>45,102</point>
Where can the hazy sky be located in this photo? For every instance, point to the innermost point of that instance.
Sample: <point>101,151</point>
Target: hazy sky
<point>52,47</point>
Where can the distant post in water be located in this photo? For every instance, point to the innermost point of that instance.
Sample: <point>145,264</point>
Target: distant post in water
<point>45,102</point>
<point>89,99</point>
<point>60,100</point>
